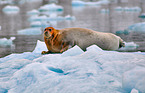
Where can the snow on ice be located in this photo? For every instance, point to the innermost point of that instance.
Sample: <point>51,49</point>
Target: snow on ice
<point>74,71</point>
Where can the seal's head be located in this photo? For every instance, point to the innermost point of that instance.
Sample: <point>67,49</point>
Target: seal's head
<point>48,32</point>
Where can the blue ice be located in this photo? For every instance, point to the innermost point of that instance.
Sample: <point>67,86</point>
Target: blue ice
<point>74,71</point>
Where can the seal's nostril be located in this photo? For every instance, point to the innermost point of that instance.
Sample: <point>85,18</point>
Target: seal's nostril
<point>45,32</point>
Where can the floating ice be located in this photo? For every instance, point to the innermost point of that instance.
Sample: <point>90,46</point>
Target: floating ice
<point>11,9</point>
<point>138,27</point>
<point>6,1</point>
<point>24,1</point>
<point>33,12</point>
<point>119,8</point>
<point>128,9</point>
<point>125,32</point>
<point>92,71</point>
<point>82,3</point>
<point>39,24</point>
<point>104,11</point>
<point>69,17</point>
<point>142,15</point>
<point>50,7</point>
<point>30,31</point>
<point>6,42</point>
<point>51,18</point>
<point>129,46</point>
<point>0,27</point>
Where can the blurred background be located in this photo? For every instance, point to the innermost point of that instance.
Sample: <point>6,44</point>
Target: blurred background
<point>22,21</point>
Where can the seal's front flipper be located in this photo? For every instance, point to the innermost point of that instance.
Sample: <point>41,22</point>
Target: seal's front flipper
<point>46,52</point>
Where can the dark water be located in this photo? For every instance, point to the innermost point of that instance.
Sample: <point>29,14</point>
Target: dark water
<point>86,17</point>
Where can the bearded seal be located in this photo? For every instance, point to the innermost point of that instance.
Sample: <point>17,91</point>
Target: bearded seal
<point>58,41</point>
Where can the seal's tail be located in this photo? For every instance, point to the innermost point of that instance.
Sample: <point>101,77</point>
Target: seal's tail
<point>121,43</point>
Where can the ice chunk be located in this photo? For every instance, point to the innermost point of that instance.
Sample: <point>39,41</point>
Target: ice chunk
<point>6,42</point>
<point>33,12</point>
<point>134,79</point>
<point>50,7</point>
<point>125,32</point>
<point>138,27</point>
<point>24,1</point>
<point>128,9</point>
<point>118,8</point>
<point>0,27</point>
<point>38,18</point>
<point>82,3</point>
<point>104,11</point>
<point>76,50</point>
<point>51,18</point>
<point>129,46</point>
<point>39,24</point>
<point>142,15</point>
<point>30,31</point>
<point>6,1</point>
<point>40,46</point>
<point>11,9</point>
<point>134,91</point>
<point>78,3</point>
<point>68,17</point>
<point>94,48</point>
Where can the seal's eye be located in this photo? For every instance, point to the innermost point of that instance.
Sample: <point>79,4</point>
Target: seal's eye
<point>44,29</point>
<point>50,30</point>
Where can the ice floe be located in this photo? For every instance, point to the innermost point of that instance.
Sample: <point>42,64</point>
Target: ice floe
<point>138,27</point>
<point>33,12</point>
<point>142,15</point>
<point>6,1</point>
<point>30,31</point>
<point>51,18</point>
<point>104,11</point>
<point>129,46</point>
<point>6,42</point>
<point>128,9</point>
<point>74,71</point>
<point>50,7</point>
<point>40,24</point>
<point>83,3</point>
<point>11,9</point>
